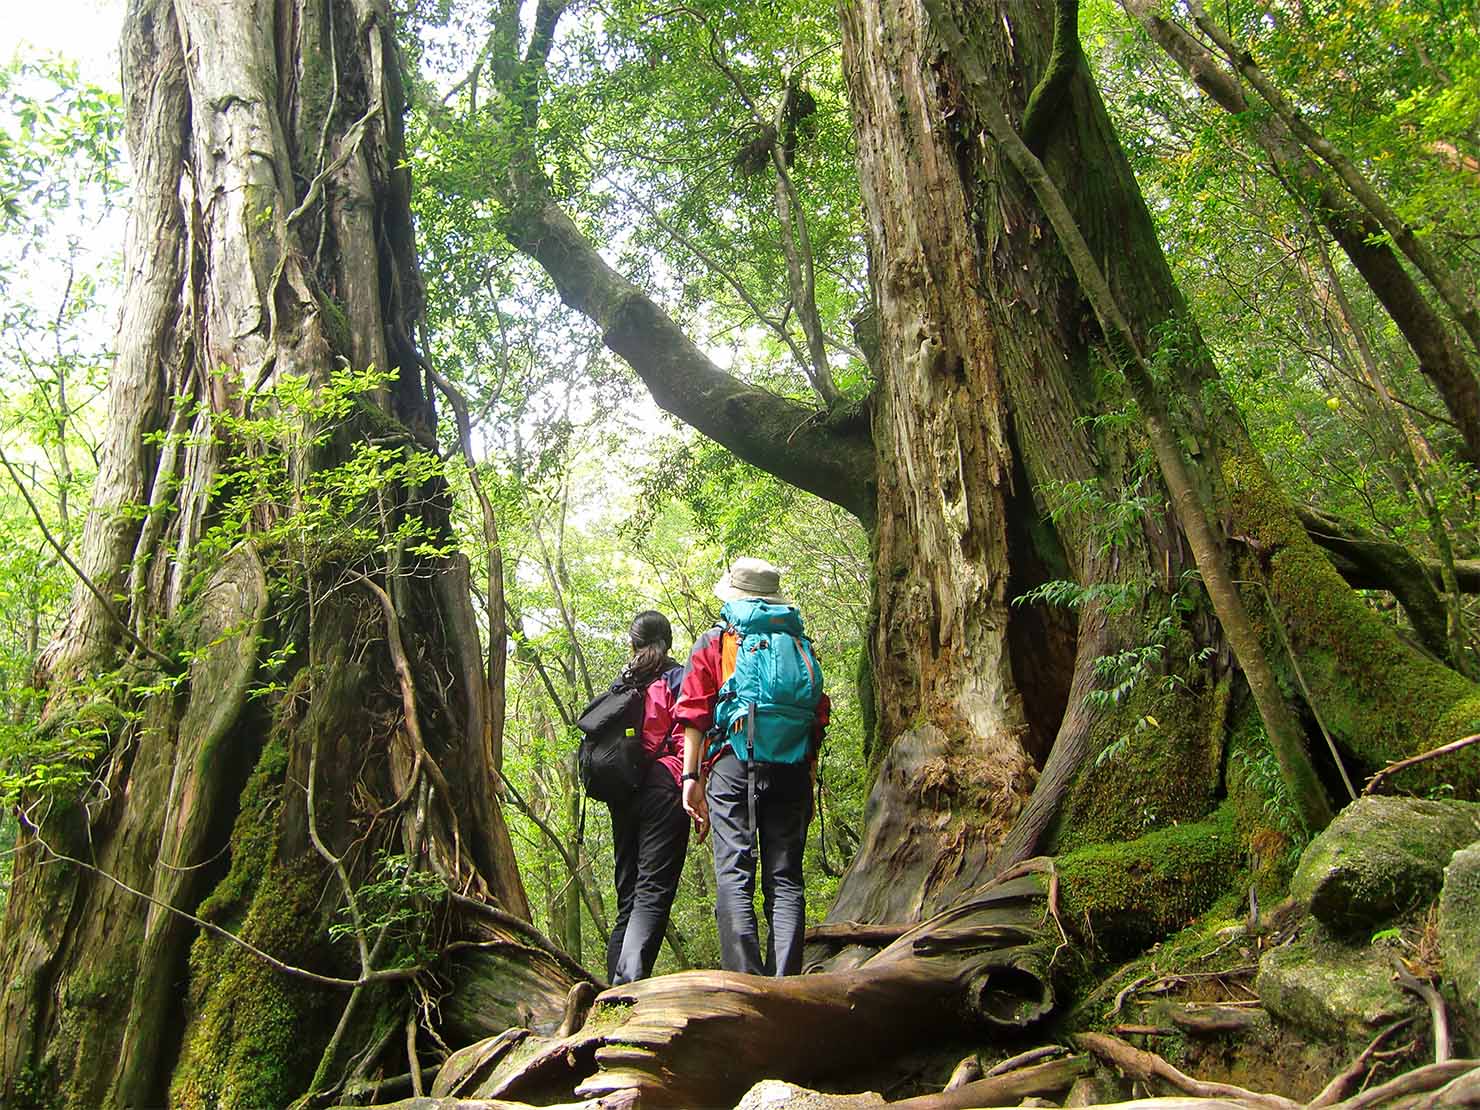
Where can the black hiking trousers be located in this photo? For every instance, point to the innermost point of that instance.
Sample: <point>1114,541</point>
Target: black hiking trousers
<point>783,809</point>
<point>650,835</point>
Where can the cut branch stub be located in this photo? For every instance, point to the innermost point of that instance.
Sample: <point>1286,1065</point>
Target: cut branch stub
<point>704,1037</point>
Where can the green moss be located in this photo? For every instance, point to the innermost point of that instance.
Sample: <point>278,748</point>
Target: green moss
<point>1163,771</point>
<point>606,1016</point>
<point>336,324</point>
<point>1382,699</point>
<point>254,837</point>
<point>256,1033</point>
<point>91,1000</point>
<point>1129,894</point>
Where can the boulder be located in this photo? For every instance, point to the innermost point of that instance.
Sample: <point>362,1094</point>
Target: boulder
<point>1334,990</point>
<point>1459,933</point>
<point>1380,858</point>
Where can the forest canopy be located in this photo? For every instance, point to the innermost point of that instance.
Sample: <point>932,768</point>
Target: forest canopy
<point>1102,377</point>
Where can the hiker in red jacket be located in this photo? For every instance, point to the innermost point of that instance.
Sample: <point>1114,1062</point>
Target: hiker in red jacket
<point>650,833</point>
<point>752,710</point>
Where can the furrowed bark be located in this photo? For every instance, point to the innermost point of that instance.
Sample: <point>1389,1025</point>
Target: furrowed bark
<point>271,237</point>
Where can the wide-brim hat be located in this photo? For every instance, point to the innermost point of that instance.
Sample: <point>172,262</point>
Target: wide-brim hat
<point>750,578</point>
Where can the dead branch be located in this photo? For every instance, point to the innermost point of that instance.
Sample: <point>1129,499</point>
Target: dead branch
<point>390,975</point>
<point>1403,764</point>
<point>854,932</point>
<point>969,1070</point>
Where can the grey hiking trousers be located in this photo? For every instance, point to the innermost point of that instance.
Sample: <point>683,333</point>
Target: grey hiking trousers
<point>783,809</point>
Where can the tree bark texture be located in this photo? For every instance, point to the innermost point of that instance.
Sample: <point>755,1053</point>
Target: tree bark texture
<point>270,238</point>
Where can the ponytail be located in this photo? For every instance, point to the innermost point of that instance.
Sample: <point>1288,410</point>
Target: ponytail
<point>651,637</point>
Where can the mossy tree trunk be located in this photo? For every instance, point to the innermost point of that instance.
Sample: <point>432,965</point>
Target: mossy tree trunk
<point>988,338</point>
<point>312,700</point>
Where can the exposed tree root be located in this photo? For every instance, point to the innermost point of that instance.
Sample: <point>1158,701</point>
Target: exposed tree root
<point>1146,1066</point>
<point>1008,1088</point>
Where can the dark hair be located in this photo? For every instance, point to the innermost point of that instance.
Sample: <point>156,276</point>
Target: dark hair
<point>651,636</point>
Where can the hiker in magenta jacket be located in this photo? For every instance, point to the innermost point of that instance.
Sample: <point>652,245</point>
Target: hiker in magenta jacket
<point>650,833</point>
<point>716,796</point>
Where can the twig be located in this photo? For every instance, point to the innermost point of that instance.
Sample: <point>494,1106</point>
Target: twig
<point>571,862</point>
<point>1403,764</point>
<point>525,929</point>
<point>336,862</point>
<point>391,975</point>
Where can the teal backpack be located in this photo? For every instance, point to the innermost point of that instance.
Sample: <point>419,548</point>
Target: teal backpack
<point>767,704</point>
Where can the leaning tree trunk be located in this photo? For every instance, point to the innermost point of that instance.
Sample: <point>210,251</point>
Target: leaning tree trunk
<point>270,243</point>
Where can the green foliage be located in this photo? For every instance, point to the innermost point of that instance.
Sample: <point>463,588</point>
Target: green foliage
<point>395,901</point>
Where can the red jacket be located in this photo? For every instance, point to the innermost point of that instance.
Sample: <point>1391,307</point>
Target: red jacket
<point>701,682</point>
<point>662,736</point>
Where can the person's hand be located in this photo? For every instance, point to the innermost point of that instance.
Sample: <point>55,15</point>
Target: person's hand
<point>696,805</point>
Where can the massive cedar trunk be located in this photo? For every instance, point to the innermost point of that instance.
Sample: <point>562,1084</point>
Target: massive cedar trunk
<point>989,346</point>
<point>270,240</point>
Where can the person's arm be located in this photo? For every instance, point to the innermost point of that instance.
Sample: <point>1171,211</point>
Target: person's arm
<point>694,713</point>
<point>694,802</point>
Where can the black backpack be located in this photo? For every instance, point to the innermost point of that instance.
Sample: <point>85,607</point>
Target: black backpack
<point>611,757</point>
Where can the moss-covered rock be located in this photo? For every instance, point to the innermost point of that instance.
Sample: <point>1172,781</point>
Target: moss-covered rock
<point>1459,934</point>
<point>1380,858</point>
<point>1332,989</point>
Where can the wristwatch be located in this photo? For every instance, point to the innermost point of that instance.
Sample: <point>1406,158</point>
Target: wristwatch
<point>690,776</point>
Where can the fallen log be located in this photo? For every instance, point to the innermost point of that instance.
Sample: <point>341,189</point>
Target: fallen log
<point>702,1038</point>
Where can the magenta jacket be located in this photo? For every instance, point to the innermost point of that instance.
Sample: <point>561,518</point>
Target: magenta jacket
<point>662,736</point>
